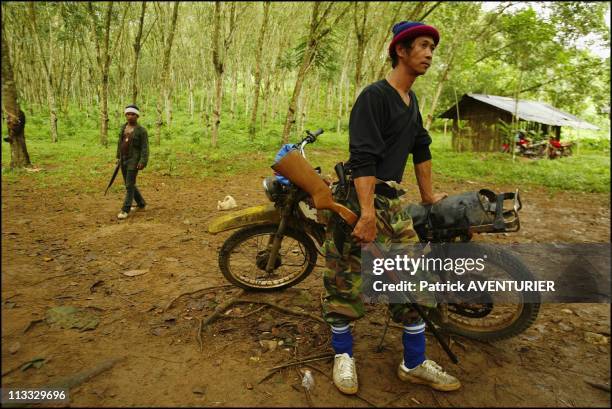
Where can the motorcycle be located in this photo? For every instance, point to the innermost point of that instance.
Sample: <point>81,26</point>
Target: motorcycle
<point>557,149</point>
<point>527,149</point>
<point>276,246</point>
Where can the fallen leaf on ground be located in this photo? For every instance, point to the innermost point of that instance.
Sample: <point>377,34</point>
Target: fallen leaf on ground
<point>133,273</point>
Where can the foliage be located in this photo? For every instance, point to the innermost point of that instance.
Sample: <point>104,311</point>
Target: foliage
<point>78,155</point>
<point>482,50</point>
<point>505,130</point>
<point>325,57</point>
<point>577,20</point>
<point>493,45</point>
<point>567,76</point>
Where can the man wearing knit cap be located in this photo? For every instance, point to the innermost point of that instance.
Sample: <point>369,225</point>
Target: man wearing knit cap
<point>133,153</point>
<point>385,127</point>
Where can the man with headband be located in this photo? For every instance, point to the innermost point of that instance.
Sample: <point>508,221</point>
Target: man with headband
<point>133,152</point>
<point>385,127</point>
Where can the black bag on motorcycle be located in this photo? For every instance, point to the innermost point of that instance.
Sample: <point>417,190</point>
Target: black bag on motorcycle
<point>478,212</point>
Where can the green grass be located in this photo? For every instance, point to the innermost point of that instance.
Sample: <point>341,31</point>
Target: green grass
<point>185,151</point>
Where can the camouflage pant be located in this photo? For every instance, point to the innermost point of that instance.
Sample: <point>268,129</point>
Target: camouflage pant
<point>342,278</point>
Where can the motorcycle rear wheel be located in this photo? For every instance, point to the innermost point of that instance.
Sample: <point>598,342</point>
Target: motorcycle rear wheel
<point>518,316</point>
<point>243,257</point>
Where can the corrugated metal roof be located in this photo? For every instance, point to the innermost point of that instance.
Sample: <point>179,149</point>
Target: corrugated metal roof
<point>534,111</point>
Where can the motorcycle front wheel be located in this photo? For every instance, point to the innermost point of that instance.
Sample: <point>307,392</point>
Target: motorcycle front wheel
<point>497,319</point>
<point>244,256</point>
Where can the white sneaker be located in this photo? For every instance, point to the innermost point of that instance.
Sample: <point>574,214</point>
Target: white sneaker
<point>431,374</point>
<point>345,374</point>
<point>122,215</point>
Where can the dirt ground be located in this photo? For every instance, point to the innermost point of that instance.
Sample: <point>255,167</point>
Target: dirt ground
<point>63,248</point>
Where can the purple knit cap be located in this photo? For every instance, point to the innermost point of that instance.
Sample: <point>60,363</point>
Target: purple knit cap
<point>412,29</point>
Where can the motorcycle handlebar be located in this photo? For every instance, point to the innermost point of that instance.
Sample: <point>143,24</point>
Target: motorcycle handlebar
<point>312,136</point>
<point>315,133</point>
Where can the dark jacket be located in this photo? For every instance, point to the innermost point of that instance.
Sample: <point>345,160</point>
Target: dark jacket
<point>139,147</point>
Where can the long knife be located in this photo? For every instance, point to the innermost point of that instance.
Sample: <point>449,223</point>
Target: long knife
<point>113,177</point>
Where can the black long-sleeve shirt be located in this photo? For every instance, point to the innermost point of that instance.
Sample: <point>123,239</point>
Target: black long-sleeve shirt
<point>383,131</point>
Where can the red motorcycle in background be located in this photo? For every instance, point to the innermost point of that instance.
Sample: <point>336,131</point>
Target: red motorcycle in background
<point>557,149</point>
<point>525,147</point>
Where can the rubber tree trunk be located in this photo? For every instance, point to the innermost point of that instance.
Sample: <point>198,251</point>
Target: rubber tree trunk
<point>137,46</point>
<point>218,65</point>
<point>104,55</point>
<point>258,57</point>
<point>290,119</point>
<point>103,59</point>
<point>362,39</point>
<point>104,109</point>
<point>515,117</point>
<point>168,103</point>
<point>15,117</point>
<point>314,36</point>
<point>46,64</point>
<point>269,88</point>
<point>164,92</point>
<point>105,76</point>
<point>191,99</point>
<point>441,82</point>
<point>339,89</point>
<point>234,93</point>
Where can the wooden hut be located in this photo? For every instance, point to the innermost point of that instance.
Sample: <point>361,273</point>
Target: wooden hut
<point>480,121</point>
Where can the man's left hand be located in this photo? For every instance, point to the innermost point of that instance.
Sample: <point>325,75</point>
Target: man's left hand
<point>434,199</point>
<point>140,166</point>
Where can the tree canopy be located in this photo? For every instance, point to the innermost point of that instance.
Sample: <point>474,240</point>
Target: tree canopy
<point>205,57</point>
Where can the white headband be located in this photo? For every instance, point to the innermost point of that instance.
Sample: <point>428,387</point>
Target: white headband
<point>132,110</point>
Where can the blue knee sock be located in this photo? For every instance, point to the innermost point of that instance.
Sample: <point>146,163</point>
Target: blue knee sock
<point>414,344</point>
<point>342,339</point>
